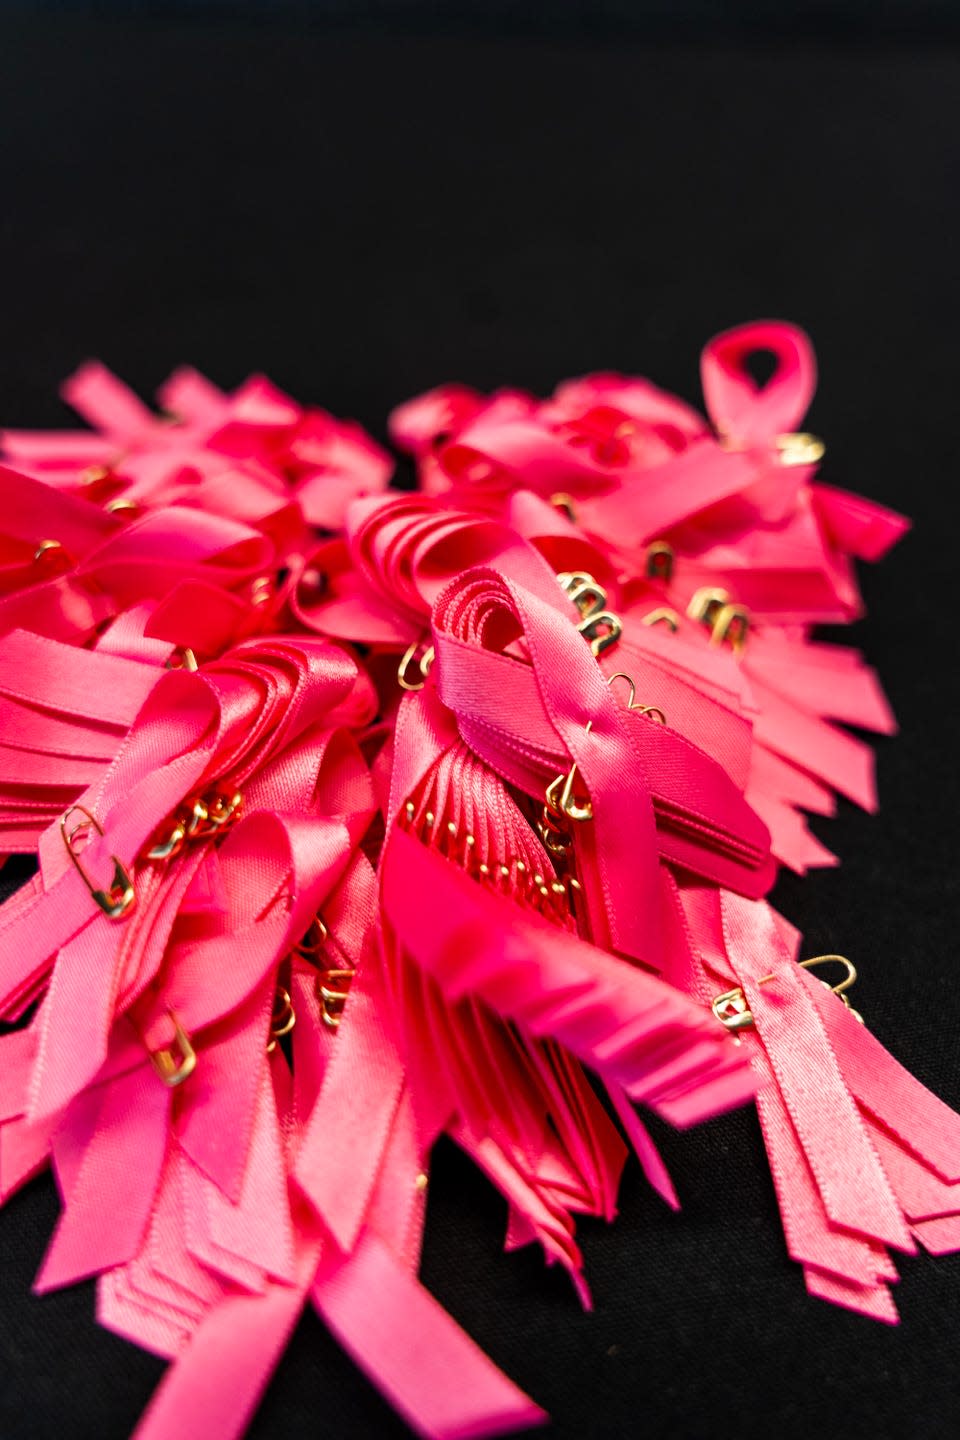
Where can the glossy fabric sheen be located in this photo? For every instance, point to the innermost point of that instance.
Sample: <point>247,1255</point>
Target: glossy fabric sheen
<point>228,602</point>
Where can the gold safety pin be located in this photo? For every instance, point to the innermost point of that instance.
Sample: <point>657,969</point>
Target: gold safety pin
<point>333,986</point>
<point>198,819</point>
<point>178,1061</point>
<point>800,448</point>
<point>282,1019</point>
<point>52,547</point>
<point>731,623</point>
<point>182,658</point>
<point>559,794</point>
<point>598,626</point>
<point>564,503</point>
<point>115,901</point>
<point>660,560</point>
<point>706,603</point>
<point>844,985</point>
<point>732,1010</point>
<point>589,597</point>
<point>426,660</point>
<point>602,629</point>
<point>663,615</point>
<point>653,711</point>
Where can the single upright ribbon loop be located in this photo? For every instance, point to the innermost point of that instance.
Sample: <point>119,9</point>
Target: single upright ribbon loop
<point>743,412</point>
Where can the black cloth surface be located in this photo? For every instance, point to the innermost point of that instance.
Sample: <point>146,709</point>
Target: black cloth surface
<point>365,216</point>
<point>847,19</point>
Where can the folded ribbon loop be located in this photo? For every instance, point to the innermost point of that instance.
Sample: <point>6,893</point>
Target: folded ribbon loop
<point>743,412</point>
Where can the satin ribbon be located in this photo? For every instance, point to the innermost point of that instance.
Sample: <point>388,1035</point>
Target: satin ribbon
<point>863,1157</point>
<point>635,771</point>
<point>213,1212</point>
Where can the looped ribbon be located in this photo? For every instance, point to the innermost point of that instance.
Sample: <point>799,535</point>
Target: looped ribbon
<point>250,1189</point>
<point>237,455</point>
<point>408,548</point>
<point>864,1159</point>
<point>604,433</point>
<point>141,462</point>
<point>218,1273</point>
<point>744,474</point>
<point>465,953</point>
<point>401,552</point>
<point>98,566</point>
<point>587,439</point>
<point>742,410</point>
<point>307,806</point>
<point>193,729</point>
<point>640,465</point>
<point>329,462</point>
<point>530,719</point>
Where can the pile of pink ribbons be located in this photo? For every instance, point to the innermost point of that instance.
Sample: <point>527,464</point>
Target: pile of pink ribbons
<point>365,816</point>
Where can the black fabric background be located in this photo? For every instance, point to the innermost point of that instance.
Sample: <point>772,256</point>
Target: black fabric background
<point>840,18</point>
<point>364,216</point>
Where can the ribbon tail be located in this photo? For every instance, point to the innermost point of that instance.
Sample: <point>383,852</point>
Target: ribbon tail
<point>624,1023</point>
<point>431,1371</point>
<point>216,1384</point>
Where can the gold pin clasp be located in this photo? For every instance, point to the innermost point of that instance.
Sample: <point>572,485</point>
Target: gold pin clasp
<point>262,590</point>
<point>602,629</point>
<point>182,658</point>
<point>118,898</point>
<point>333,986</point>
<point>178,1061</point>
<point>800,448</point>
<point>589,597</point>
<point>97,475</point>
<point>572,579</point>
<point>197,819</point>
<point>170,845</point>
<point>660,561</point>
<point>732,1010</point>
<point>706,603</point>
<point>844,985</point>
<point>598,625</point>
<point>653,711</point>
<point>560,798</point>
<point>663,615</point>
<point>122,506</point>
<point>563,502</point>
<point>332,982</point>
<point>403,669</point>
<point>217,812</point>
<point>711,605</point>
<point>48,549</point>
<point>731,623</point>
<point>282,1019</point>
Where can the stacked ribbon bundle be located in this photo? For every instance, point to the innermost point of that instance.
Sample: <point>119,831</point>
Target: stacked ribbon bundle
<point>365,816</point>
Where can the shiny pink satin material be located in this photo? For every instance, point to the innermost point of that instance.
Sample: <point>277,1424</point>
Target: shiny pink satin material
<point>215,600</point>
